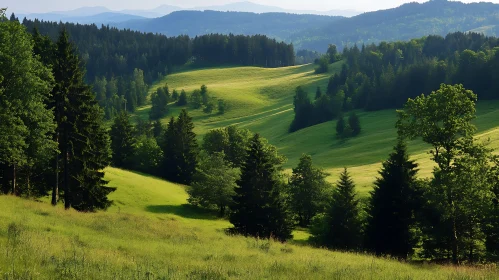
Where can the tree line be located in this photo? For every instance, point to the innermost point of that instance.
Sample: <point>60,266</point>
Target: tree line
<point>384,76</point>
<point>52,134</point>
<point>122,64</point>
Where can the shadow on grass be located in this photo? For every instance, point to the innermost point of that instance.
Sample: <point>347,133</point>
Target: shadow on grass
<point>184,210</point>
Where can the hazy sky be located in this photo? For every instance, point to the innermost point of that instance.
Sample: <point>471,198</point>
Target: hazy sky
<point>321,5</point>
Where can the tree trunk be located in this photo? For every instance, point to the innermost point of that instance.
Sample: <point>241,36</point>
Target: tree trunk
<point>67,201</point>
<point>14,179</point>
<point>55,188</point>
<point>454,241</point>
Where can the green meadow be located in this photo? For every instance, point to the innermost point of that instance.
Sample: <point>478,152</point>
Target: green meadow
<point>261,100</point>
<point>151,234</point>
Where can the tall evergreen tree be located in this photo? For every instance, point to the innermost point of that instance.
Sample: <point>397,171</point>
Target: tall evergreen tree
<point>354,124</point>
<point>343,221</point>
<point>308,191</point>
<point>318,93</point>
<point>122,141</point>
<point>392,205</point>
<point>83,142</point>
<point>340,126</point>
<point>259,209</point>
<point>180,150</point>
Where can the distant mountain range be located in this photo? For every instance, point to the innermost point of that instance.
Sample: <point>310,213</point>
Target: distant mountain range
<point>305,31</point>
<point>88,14</point>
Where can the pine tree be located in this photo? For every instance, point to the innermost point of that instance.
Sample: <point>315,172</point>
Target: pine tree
<point>318,93</point>
<point>392,205</point>
<point>182,99</point>
<point>259,209</point>
<point>83,141</point>
<point>354,124</point>
<point>343,222</point>
<point>180,150</point>
<point>157,130</point>
<point>122,141</point>
<point>188,148</point>
<point>308,191</point>
<point>340,126</point>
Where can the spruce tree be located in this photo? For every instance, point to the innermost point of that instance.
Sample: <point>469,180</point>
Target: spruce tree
<point>307,191</point>
<point>343,221</point>
<point>318,93</point>
<point>83,141</point>
<point>340,126</point>
<point>392,205</point>
<point>180,150</point>
<point>259,209</point>
<point>122,141</point>
<point>182,99</point>
<point>354,124</point>
<point>188,148</point>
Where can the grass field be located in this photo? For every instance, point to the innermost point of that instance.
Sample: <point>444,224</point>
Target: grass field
<point>150,234</point>
<point>262,101</point>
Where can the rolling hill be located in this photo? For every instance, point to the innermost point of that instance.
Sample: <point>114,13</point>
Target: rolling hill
<point>261,100</point>
<point>150,234</point>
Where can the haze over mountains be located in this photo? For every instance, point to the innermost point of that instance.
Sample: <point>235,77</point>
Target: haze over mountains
<point>95,14</point>
<point>305,31</point>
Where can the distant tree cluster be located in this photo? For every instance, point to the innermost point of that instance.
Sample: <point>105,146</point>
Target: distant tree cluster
<point>306,57</point>
<point>384,76</point>
<point>348,129</point>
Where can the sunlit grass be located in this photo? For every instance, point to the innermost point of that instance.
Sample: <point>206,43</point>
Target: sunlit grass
<point>148,234</point>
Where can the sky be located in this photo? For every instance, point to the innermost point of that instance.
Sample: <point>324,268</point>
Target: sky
<point>42,6</point>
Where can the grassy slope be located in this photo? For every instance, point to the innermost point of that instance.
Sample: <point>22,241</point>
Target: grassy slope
<point>148,234</point>
<point>261,100</point>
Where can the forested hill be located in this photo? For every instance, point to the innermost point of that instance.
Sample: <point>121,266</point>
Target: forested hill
<point>194,23</point>
<point>122,63</point>
<point>313,32</point>
<point>412,20</point>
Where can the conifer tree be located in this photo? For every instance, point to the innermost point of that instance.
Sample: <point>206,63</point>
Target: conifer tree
<point>340,126</point>
<point>392,205</point>
<point>180,150</point>
<point>354,124</point>
<point>83,141</point>
<point>259,209</point>
<point>318,93</point>
<point>182,99</point>
<point>343,222</point>
<point>122,141</point>
<point>308,191</point>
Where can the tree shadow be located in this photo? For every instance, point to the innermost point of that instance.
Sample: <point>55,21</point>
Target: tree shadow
<point>184,210</point>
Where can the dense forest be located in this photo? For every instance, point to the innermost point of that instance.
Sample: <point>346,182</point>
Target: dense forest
<point>121,64</point>
<point>384,76</point>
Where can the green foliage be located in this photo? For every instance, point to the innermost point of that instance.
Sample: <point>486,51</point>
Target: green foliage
<point>180,150</point>
<point>175,95</point>
<point>323,65</point>
<point>213,183</point>
<point>27,125</point>
<point>343,223</point>
<point>462,190</point>
<point>182,100</point>
<point>259,208</point>
<point>123,142</point>
<point>208,109</point>
<point>308,191</point>
<point>196,99</point>
<point>354,124</point>
<point>147,156</point>
<point>318,93</point>
<point>392,207</point>
<point>222,106</point>
<point>231,141</point>
<point>332,52</point>
<point>340,126</point>
<point>159,101</point>
<point>82,138</point>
